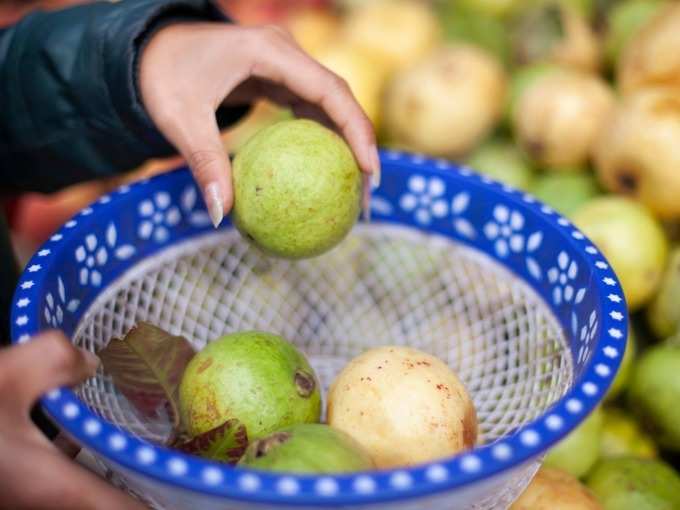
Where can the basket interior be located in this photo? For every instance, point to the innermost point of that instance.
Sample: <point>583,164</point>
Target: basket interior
<point>382,285</point>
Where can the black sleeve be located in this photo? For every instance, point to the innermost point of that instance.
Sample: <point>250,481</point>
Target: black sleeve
<point>69,105</point>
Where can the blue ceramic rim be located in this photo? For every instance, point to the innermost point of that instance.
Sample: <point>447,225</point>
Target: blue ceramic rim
<point>216,479</point>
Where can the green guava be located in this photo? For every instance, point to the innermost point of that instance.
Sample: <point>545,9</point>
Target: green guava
<point>577,453</point>
<point>654,393</point>
<point>631,239</point>
<point>312,448</point>
<point>503,161</point>
<point>623,437</point>
<point>297,189</point>
<point>663,312</point>
<point>466,24</point>
<point>623,375</point>
<point>626,483</point>
<point>565,191</point>
<point>258,378</point>
<point>623,21</point>
<point>520,80</point>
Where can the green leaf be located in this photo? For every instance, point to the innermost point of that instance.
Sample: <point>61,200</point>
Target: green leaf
<point>226,442</point>
<point>147,367</point>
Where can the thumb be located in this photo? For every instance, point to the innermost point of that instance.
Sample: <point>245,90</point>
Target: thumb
<point>45,363</point>
<point>197,138</point>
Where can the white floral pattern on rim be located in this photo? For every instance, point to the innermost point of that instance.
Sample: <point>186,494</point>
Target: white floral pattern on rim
<point>505,231</point>
<point>562,277</point>
<point>586,337</point>
<point>196,216</point>
<point>54,308</point>
<point>93,255</point>
<point>459,205</point>
<point>425,198</point>
<point>158,215</point>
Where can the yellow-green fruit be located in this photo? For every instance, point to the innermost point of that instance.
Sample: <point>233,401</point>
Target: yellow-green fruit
<point>623,22</point>
<point>446,103</point>
<point>503,161</point>
<point>311,448</point>
<point>623,375</point>
<point>626,483</point>
<point>396,33</point>
<point>623,437</point>
<point>553,489</point>
<point>559,117</point>
<point>314,29</point>
<point>631,239</point>
<point>297,189</point>
<point>663,313</point>
<point>404,406</point>
<point>363,75</point>
<point>651,57</point>
<point>565,191</point>
<point>258,378</point>
<point>520,80</point>
<point>579,451</point>
<point>654,394</point>
<point>638,154</point>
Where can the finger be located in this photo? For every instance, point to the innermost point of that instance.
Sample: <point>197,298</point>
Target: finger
<point>286,64</point>
<point>47,362</point>
<point>58,483</point>
<point>197,137</point>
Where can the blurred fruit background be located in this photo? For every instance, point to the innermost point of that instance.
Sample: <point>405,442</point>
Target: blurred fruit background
<point>575,101</point>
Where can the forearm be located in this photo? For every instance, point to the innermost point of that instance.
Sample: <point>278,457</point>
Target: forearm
<point>69,105</point>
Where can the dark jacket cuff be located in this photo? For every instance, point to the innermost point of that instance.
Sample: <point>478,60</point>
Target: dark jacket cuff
<point>130,108</point>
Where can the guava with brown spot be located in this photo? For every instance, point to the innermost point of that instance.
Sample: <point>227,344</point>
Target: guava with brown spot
<point>297,189</point>
<point>258,378</point>
<point>307,448</point>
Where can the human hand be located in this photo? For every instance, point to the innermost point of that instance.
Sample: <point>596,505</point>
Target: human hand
<point>34,473</point>
<point>189,69</point>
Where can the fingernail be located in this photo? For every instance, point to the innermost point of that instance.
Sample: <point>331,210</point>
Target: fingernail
<point>366,200</point>
<point>91,359</point>
<point>375,163</point>
<point>213,199</point>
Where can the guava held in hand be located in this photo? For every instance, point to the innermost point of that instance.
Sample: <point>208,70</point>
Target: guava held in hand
<point>297,189</point>
<point>257,378</point>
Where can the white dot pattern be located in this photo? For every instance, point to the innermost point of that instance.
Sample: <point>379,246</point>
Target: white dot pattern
<point>401,480</point>
<point>92,427</point>
<point>364,485</point>
<point>288,486</point>
<point>471,463</point>
<point>502,451</point>
<point>590,389</point>
<point>437,473</point>
<point>249,483</point>
<point>117,442</point>
<point>212,476</point>
<point>326,487</point>
<point>70,410</point>
<point>574,406</point>
<point>554,422</point>
<point>146,455</point>
<point>177,466</point>
<point>530,438</point>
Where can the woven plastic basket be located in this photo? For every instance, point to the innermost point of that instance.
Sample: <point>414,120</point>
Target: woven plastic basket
<point>519,303</point>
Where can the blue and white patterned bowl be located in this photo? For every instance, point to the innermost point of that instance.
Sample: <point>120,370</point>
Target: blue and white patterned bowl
<point>86,270</point>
